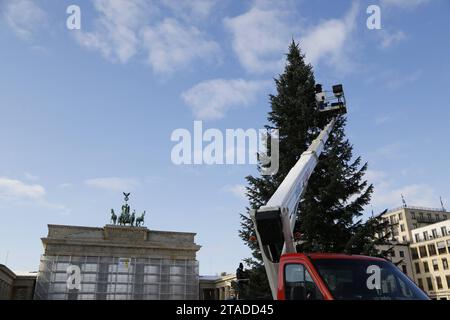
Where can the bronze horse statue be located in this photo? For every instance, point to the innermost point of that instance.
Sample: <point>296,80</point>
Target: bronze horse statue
<point>140,220</point>
<point>113,217</point>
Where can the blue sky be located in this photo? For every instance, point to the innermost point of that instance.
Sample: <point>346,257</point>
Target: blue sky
<point>86,114</point>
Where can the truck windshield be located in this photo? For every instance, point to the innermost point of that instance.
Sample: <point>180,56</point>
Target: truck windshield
<point>355,279</point>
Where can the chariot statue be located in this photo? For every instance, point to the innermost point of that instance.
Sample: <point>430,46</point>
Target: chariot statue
<point>125,218</point>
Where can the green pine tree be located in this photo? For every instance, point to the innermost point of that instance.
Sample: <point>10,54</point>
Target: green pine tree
<point>331,211</point>
<point>293,114</point>
<point>330,218</point>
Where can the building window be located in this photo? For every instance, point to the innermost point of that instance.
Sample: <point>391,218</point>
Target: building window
<point>60,276</point>
<point>89,267</point>
<point>448,282</point>
<point>402,227</point>
<point>448,245</point>
<point>421,215</point>
<point>402,253</point>
<point>439,283</point>
<point>441,247</point>
<point>425,235</point>
<point>423,251</point>
<point>393,254</point>
<point>58,287</point>
<point>430,284</point>
<point>425,267</point>
<point>400,216</point>
<point>420,283</point>
<point>417,236</point>
<point>417,265</point>
<point>151,269</point>
<point>414,225</point>
<point>434,232</point>
<point>404,238</point>
<point>445,263</point>
<point>432,249</point>
<point>404,269</point>
<point>62,266</point>
<point>413,215</point>
<point>429,216</point>
<point>414,253</point>
<point>444,231</point>
<point>435,265</point>
<point>88,287</point>
<point>89,277</point>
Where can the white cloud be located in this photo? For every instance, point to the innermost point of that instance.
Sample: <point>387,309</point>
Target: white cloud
<point>24,17</point>
<point>259,37</point>
<point>128,29</point>
<point>115,33</point>
<point>238,190</point>
<point>390,39</point>
<point>113,183</point>
<point>213,98</point>
<point>387,195</point>
<point>16,189</point>
<point>329,39</point>
<point>171,45</point>
<point>22,193</point>
<point>404,4</point>
<point>191,10</point>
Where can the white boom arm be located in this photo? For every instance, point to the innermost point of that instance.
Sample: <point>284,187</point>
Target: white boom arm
<point>274,223</point>
<point>288,194</point>
<point>282,206</point>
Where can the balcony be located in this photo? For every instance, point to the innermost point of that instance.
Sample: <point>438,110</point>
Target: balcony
<point>428,220</point>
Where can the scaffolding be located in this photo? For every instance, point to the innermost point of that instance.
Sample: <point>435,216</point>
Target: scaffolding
<point>118,278</point>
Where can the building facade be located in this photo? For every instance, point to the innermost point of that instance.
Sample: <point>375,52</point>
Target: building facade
<point>421,245</point>
<point>217,287</point>
<point>430,253</point>
<point>400,255</point>
<point>14,286</point>
<point>117,263</point>
<point>405,219</point>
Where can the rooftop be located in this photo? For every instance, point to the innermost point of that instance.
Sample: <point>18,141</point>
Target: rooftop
<point>414,208</point>
<point>15,274</point>
<point>432,226</point>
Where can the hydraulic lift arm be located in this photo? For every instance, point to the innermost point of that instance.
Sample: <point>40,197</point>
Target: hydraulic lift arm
<point>275,221</point>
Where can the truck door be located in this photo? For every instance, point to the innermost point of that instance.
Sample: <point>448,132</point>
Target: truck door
<point>298,283</point>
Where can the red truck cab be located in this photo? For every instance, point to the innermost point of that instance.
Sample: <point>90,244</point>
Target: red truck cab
<point>327,276</point>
